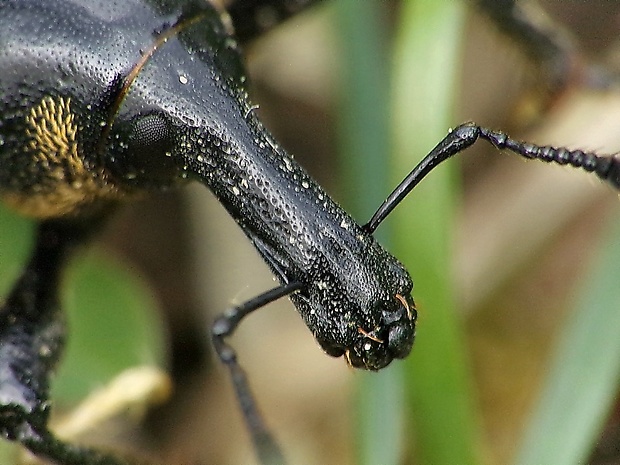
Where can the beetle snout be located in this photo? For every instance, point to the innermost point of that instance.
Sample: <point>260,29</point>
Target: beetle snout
<point>392,338</point>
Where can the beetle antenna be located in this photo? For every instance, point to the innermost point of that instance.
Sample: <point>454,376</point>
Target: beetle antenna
<point>606,167</point>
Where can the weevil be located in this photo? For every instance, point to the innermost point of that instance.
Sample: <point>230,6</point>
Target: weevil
<point>105,101</point>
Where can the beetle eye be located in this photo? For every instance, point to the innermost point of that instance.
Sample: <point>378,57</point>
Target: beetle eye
<point>147,157</point>
<point>150,132</point>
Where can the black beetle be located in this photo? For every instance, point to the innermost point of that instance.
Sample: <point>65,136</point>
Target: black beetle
<point>105,101</point>
<point>135,96</point>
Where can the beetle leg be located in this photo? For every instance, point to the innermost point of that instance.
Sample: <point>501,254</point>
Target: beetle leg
<point>266,448</point>
<point>32,334</point>
<point>546,44</point>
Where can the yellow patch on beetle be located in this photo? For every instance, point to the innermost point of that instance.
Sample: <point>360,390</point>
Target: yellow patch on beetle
<point>53,132</point>
<point>64,181</point>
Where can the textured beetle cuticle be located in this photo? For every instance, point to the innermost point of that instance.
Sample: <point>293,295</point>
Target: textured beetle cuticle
<point>103,101</point>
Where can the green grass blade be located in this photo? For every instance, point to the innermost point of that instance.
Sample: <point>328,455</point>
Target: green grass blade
<point>426,62</point>
<point>15,241</point>
<point>113,325</point>
<point>585,371</point>
<point>363,106</point>
<point>364,145</point>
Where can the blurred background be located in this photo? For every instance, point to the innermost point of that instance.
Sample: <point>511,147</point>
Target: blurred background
<point>509,258</point>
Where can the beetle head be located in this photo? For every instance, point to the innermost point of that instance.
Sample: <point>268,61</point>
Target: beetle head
<point>392,337</point>
<point>370,319</point>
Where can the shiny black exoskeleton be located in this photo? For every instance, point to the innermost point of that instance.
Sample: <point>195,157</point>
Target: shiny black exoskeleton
<point>158,100</point>
<point>105,100</point>
<point>101,101</point>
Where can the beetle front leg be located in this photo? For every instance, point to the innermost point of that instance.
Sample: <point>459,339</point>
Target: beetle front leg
<point>32,334</point>
<point>266,448</point>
